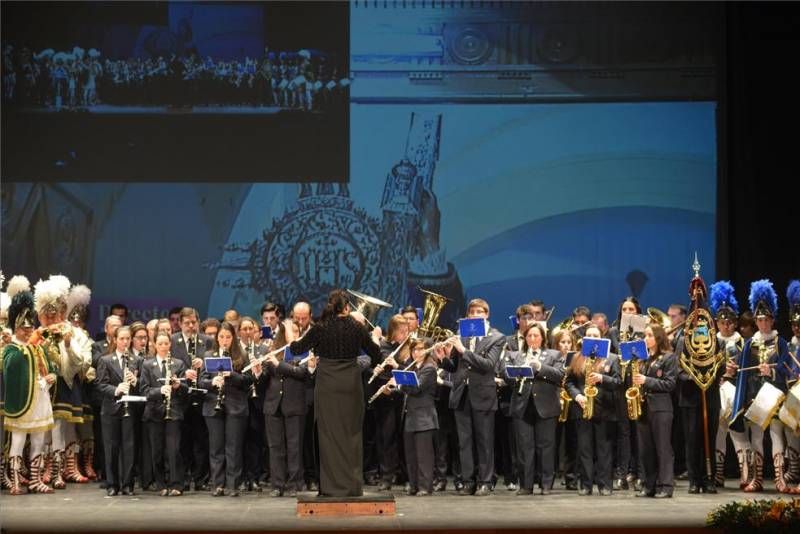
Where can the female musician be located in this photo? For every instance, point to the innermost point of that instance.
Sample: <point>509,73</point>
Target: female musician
<point>535,421</point>
<point>388,407</point>
<point>164,424</point>
<point>337,340</point>
<point>595,435</point>
<point>654,427</point>
<point>285,408</point>
<point>626,467</point>
<point>564,342</point>
<point>226,411</point>
<point>117,374</point>
<point>139,339</point>
<point>420,424</point>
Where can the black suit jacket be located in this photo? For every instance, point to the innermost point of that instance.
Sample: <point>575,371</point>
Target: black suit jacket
<point>178,349</point>
<point>545,387</point>
<point>109,376</point>
<point>605,403</point>
<point>420,402</point>
<point>476,369</point>
<point>285,389</point>
<point>662,374</point>
<point>150,386</point>
<point>237,390</point>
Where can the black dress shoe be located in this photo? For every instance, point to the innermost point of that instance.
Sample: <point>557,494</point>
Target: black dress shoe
<point>459,484</point>
<point>637,484</point>
<point>483,490</point>
<point>218,492</point>
<point>128,491</point>
<point>694,490</point>
<point>663,495</point>
<point>545,491</point>
<point>244,486</point>
<point>187,486</point>
<point>411,491</point>
<point>384,485</point>
<point>605,492</point>
<point>203,486</point>
<point>645,493</point>
<point>290,493</point>
<point>111,492</point>
<point>571,486</point>
<point>584,492</point>
<point>710,488</point>
<point>441,485</point>
<point>313,486</point>
<point>621,484</point>
<point>525,491</point>
<point>235,493</point>
<point>164,492</point>
<point>466,489</point>
<point>275,493</point>
<point>423,493</point>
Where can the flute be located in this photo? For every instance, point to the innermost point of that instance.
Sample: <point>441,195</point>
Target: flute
<point>379,368</point>
<point>755,367</point>
<point>263,358</point>
<point>386,385</point>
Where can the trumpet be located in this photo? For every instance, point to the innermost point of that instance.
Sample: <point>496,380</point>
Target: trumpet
<point>386,385</point>
<point>633,395</point>
<point>589,391</point>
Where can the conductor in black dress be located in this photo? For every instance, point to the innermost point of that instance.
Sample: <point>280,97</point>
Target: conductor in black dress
<point>337,340</point>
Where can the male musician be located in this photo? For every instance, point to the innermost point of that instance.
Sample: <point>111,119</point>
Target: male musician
<point>764,357</point>
<point>474,398</point>
<point>677,315</point>
<point>254,446</point>
<point>538,310</point>
<point>99,349</point>
<point>725,309</point>
<point>600,320</point>
<point>270,317</point>
<point>189,346</point>
<point>71,348</point>
<point>301,316</point>
<point>410,313</point>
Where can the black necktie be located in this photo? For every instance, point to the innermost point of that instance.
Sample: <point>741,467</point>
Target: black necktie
<point>163,368</point>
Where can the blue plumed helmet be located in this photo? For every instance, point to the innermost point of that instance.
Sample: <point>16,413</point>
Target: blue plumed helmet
<point>793,294</point>
<point>763,299</point>
<point>722,301</point>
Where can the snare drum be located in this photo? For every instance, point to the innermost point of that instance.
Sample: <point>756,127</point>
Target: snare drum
<point>765,405</point>
<point>789,413</point>
<point>727,392</point>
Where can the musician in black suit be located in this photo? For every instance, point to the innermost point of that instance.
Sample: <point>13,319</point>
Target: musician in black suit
<point>657,381</point>
<point>189,346</point>
<point>420,421</point>
<point>565,343</point>
<point>226,410</point>
<point>164,433</point>
<point>388,407</point>
<point>117,375</point>
<point>474,398</point>
<point>255,448</point>
<point>284,407</point>
<point>535,407</point>
<point>99,349</point>
<point>596,435</point>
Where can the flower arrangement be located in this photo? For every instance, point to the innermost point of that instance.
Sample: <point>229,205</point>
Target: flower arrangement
<point>773,516</point>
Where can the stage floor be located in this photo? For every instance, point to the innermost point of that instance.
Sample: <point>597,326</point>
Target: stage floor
<point>85,508</point>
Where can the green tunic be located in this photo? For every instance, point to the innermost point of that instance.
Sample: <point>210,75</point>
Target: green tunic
<point>19,377</point>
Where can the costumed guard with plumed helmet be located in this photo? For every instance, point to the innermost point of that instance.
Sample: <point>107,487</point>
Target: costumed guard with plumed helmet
<point>725,308</point>
<point>77,315</point>
<point>761,386</point>
<point>792,475</point>
<point>72,350</point>
<point>29,375</point>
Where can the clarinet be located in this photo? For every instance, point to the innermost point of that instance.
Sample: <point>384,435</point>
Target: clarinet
<point>251,353</point>
<point>168,382</point>
<point>125,360</point>
<point>221,392</point>
<point>192,356</point>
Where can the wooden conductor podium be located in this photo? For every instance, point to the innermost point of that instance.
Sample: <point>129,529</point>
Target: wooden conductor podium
<point>368,504</point>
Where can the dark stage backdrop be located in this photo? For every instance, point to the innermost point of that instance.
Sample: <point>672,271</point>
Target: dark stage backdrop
<point>508,151</point>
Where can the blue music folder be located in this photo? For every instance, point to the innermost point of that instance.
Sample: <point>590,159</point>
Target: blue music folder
<point>289,356</point>
<point>633,349</point>
<point>595,347</point>
<point>266,332</point>
<point>514,322</point>
<point>405,378</point>
<point>218,365</point>
<point>472,327</point>
<point>519,371</point>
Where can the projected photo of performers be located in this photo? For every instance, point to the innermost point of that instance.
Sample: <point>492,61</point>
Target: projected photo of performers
<point>175,90</point>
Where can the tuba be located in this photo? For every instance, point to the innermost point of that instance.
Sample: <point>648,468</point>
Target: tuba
<point>367,306</point>
<point>431,309</point>
<point>662,319</point>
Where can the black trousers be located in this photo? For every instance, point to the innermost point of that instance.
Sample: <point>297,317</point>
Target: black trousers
<point>194,445</point>
<point>387,438</point>
<point>446,444</point>
<point>475,425</point>
<point>165,444</point>
<point>625,462</point>
<point>285,439</point>
<point>99,456</point>
<point>655,449</point>
<point>536,437</point>
<point>119,442</point>
<point>419,458</point>
<point>567,432</point>
<point>692,420</point>
<point>254,443</point>
<point>145,463</point>
<point>311,447</point>
<point>225,446</point>
<point>595,445</point>
<point>505,448</point>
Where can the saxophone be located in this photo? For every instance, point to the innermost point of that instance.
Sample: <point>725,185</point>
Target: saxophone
<point>564,399</point>
<point>590,392</point>
<point>633,395</point>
